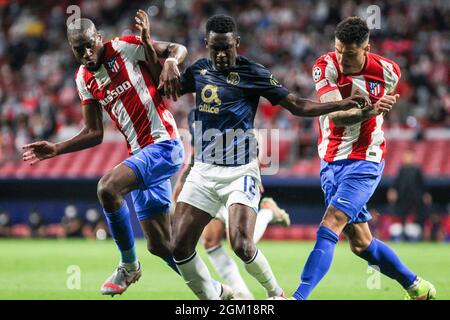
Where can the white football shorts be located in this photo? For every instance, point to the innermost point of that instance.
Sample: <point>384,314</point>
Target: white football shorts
<point>208,187</point>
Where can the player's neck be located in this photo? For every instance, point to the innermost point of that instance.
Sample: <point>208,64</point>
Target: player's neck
<point>361,68</point>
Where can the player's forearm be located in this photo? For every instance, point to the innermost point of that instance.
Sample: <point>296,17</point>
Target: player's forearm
<point>344,118</point>
<point>306,108</point>
<point>349,117</point>
<point>85,139</point>
<point>151,57</point>
<point>151,54</point>
<point>177,52</point>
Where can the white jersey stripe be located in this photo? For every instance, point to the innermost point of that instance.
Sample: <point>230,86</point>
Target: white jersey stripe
<point>377,140</point>
<point>159,132</point>
<point>81,85</point>
<point>324,123</point>
<point>351,133</point>
<point>127,126</point>
<point>119,111</point>
<point>390,77</point>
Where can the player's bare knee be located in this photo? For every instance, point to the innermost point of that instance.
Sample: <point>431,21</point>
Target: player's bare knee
<point>210,242</point>
<point>244,247</point>
<point>159,249</point>
<point>334,219</point>
<point>108,195</point>
<point>358,245</point>
<point>181,249</point>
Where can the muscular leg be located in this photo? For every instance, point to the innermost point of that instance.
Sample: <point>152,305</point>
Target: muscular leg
<point>110,191</point>
<point>319,260</point>
<point>241,229</point>
<point>221,260</point>
<point>188,224</point>
<point>157,234</point>
<point>213,233</point>
<point>114,185</point>
<point>377,253</point>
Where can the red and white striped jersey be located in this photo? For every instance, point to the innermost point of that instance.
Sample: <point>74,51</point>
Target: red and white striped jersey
<point>124,88</point>
<point>364,140</point>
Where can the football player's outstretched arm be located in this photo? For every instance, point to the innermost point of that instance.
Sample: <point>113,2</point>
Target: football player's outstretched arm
<point>306,108</point>
<point>90,135</point>
<point>168,76</point>
<point>356,115</point>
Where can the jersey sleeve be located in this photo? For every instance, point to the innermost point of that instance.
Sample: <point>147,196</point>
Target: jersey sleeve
<point>85,96</point>
<point>188,80</point>
<point>263,83</point>
<point>325,75</point>
<point>392,77</point>
<point>131,46</point>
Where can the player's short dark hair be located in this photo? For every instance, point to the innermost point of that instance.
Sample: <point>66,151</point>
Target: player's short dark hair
<point>221,23</point>
<point>352,30</point>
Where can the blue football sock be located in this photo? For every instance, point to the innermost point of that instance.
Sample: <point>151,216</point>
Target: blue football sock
<point>318,263</point>
<point>120,226</point>
<point>171,263</point>
<point>379,254</point>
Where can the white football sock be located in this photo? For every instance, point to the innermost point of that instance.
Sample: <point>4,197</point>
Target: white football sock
<point>259,268</point>
<point>263,218</point>
<point>229,271</point>
<point>197,277</point>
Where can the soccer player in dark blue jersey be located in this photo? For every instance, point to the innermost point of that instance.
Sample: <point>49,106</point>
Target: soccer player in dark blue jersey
<point>226,171</point>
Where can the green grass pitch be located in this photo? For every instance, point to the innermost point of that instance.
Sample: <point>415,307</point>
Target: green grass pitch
<point>39,269</point>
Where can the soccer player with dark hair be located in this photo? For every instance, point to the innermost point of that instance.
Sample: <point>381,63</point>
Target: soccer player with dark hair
<point>352,148</point>
<point>121,76</point>
<point>226,171</point>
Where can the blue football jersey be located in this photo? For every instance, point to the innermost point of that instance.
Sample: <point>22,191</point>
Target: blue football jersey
<point>226,104</point>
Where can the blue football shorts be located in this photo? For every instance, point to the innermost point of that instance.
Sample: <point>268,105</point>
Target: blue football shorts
<point>154,165</point>
<point>349,184</point>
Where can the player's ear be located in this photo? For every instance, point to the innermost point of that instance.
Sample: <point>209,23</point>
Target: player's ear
<point>238,41</point>
<point>206,42</point>
<point>367,47</point>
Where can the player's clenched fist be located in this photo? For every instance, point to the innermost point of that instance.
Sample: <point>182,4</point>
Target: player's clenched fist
<point>355,101</point>
<point>386,103</point>
<point>38,151</point>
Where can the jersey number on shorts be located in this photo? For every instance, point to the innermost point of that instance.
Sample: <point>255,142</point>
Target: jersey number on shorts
<point>249,187</point>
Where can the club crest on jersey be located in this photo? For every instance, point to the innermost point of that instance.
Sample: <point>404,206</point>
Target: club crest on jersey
<point>113,64</point>
<point>233,78</point>
<point>374,88</point>
<point>274,81</point>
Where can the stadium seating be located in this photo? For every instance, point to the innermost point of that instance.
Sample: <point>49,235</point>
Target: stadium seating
<point>432,155</point>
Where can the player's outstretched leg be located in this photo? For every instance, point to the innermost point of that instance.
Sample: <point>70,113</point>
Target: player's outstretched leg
<point>157,234</point>
<point>224,265</point>
<point>269,212</point>
<point>110,191</point>
<point>379,254</point>
<point>188,224</point>
<point>241,229</point>
<point>319,260</point>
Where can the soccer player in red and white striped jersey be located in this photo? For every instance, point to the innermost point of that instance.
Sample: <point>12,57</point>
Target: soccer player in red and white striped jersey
<point>122,76</point>
<point>352,148</point>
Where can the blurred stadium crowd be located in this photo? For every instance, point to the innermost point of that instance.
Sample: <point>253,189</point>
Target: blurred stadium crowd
<point>38,97</point>
<point>73,224</point>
